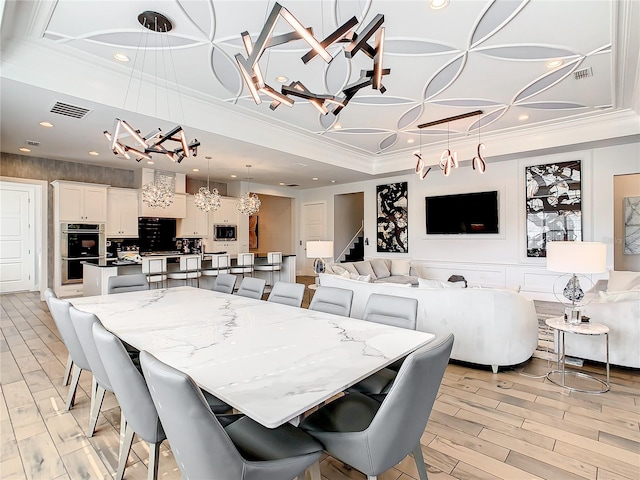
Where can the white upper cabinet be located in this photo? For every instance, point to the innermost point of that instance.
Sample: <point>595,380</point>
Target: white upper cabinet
<point>80,202</point>
<point>196,223</point>
<point>227,213</point>
<point>122,213</point>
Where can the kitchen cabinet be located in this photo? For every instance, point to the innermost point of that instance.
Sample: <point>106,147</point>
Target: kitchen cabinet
<point>122,213</point>
<point>80,202</point>
<point>178,209</point>
<point>195,224</point>
<point>227,213</point>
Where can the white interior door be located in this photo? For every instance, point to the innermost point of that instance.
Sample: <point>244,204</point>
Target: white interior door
<point>17,237</point>
<point>314,223</point>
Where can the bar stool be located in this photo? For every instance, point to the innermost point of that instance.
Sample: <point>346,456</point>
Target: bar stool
<point>274,264</point>
<point>219,264</point>
<point>155,268</point>
<point>244,264</point>
<point>189,270</point>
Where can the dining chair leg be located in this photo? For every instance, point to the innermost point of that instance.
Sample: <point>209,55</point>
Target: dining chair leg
<point>67,372</point>
<point>71,396</point>
<point>95,410</point>
<point>124,451</point>
<point>123,427</point>
<point>154,456</point>
<point>314,471</point>
<point>420,465</point>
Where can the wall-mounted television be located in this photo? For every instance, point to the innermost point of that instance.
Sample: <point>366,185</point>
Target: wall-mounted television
<point>473,213</point>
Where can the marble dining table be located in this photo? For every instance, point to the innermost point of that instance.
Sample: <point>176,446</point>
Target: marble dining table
<point>269,361</point>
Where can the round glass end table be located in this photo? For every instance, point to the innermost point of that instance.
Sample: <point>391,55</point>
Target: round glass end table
<point>559,376</point>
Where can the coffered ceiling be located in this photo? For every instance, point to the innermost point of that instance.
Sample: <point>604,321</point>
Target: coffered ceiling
<point>545,74</point>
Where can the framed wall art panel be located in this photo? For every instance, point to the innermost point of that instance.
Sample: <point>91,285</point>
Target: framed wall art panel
<point>392,222</point>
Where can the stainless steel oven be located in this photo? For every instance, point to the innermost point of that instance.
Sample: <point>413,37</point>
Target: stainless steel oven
<point>80,243</point>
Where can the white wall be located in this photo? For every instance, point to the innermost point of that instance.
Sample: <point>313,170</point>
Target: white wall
<point>495,259</point>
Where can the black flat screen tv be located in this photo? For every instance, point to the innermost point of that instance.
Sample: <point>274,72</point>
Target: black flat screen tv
<point>471,213</point>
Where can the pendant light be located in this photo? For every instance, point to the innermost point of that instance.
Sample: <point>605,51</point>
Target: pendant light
<point>206,199</point>
<point>249,203</point>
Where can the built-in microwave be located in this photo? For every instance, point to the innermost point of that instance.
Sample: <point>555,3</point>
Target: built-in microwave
<point>224,233</point>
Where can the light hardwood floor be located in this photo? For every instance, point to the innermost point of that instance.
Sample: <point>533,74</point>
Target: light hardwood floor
<point>513,425</point>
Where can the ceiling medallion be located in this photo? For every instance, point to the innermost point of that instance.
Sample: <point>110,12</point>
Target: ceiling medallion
<point>254,80</point>
<point>207,200</point>
<point>249,203</point>
<point>155,141</point>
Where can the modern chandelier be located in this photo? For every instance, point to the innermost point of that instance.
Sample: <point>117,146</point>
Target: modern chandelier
<point>160,192</point>
<point>254,79</point>
<point>155,141</point>
<point>249,203</point>
<point>206,199</point>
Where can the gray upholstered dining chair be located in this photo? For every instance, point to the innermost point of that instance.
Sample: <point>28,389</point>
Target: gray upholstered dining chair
<point>252,287</point>
<point>60,313</point>
<point>48,293</point>
<point>389,310</point>
<point>373,436</point>
<point>287,293</point>
<point>241,450</point>
<point>332,300</point>
<point>127,283</point>
<point>224,283</point>
<point>83,324</point>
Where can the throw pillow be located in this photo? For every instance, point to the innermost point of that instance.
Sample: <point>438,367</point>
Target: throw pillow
<point>400,266</point>
<point>621,280</point>
<point>350,268</point>
<point>346,274</point>
<point>364,268</point>
<point>380,268</point>
<point>619,296</point>
<point>361,278</point>
<point>426,283</point>
<point>338,270</point>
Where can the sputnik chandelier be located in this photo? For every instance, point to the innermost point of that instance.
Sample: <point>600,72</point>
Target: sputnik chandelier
<point>160,192</point>
<point>155,141</point>
<point>206,199</point>
<point>254,80</point>
<point>449,159</point>
<point>249,203</point>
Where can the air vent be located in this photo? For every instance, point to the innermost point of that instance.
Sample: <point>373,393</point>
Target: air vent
<point>32,143</point>
<point>69,110</point>
<point>582,74</point>
<point>293,185</point>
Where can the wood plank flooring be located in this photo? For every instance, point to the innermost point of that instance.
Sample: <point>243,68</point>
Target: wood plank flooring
<point>512,425</point>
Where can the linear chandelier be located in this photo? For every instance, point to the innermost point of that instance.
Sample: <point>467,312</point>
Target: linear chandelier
<point>155,141</point>
<point>449,159</point>
<point>254,79</point>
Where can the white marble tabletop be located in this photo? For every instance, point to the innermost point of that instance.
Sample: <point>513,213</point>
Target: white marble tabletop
<point>270,361</point>
<point>583,328</point>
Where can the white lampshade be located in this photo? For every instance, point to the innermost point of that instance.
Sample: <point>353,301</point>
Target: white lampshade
<point>576,257</point>
<point>320,249</point>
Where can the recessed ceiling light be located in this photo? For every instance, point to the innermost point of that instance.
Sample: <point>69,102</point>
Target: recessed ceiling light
<point>149,162</point>
<point>121,57</point>
<point>46,124</point>
<point>333,181</point>
<point>300,164</point>
<point>337,126</point>
<point>524,117</point>
<point>438,4</point>
<point>411,140</point>
<point>94,153</point>
<point>281,79</point>
<point>554,63</point>
<point>314,178</point>
<point>281,183</point>
<point>196,170</point>
<point>234,176</point>
<point>25,149</point>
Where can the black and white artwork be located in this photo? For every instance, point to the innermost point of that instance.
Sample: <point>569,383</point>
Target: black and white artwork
<point>631,225</point>
<point>554,205</point>
<point>393,234</point>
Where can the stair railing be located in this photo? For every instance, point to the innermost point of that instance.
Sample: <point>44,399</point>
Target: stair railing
<point>351,242</point>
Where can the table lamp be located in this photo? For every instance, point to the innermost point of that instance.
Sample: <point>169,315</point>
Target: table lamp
<point>573,258</point>
<point>319,249</point>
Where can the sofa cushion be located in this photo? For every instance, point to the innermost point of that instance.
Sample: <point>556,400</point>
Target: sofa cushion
<point>365,268</point>
<point>399,280</point>
<point>380,268</point>
<point>349,267</point>
<point>426,283</point>
<point>622,280</point>
<point>400,266</point>
<point>622,296</point>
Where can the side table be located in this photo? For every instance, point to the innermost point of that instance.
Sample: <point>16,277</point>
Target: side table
<point>311,287</point>
<point>586,328</point>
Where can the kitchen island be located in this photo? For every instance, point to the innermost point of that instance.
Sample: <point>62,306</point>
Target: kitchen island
<point>96,276</point>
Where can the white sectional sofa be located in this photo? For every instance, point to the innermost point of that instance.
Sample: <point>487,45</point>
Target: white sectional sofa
<point>492,327</point>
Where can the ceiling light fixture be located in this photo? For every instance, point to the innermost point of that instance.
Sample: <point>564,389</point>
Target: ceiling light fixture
<point>25,149</point>
<point>154,141</point>
<point>554,63</point>
<point>93,153</point>
<point>524,117</point>
<point>411,140</point>
<point>314,178</point>
<point>206,199</point>
<point>438,4</point>
<point>252,74</point>
<point>249,203</point>
<point>121,57</point>
<point>46,124</point>
<point>281,79</point>
<point>421,167</point>
<point>233,176</point>
<point>160,192</point>
<point>196,170</point>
